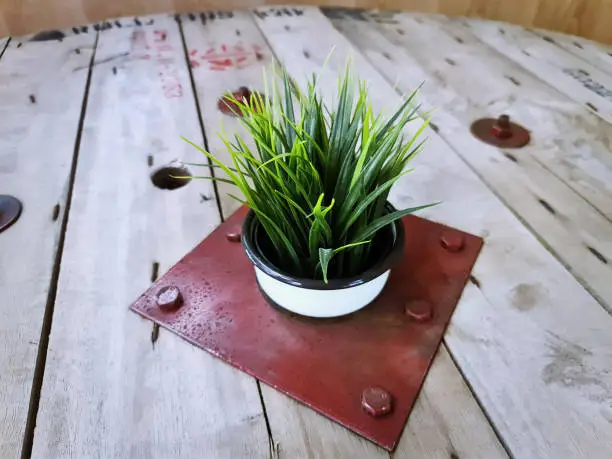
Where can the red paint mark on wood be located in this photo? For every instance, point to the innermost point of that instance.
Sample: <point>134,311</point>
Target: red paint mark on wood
<point>226,57</point>
<point>153,45</point>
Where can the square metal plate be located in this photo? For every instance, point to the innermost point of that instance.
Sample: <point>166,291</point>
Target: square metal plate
<point>324,363</point>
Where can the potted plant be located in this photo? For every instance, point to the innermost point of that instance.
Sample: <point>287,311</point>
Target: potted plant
<point>320,232</point>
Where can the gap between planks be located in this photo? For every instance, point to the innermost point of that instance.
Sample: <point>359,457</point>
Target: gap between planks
<point>198,108</point>
<point>41,358</point>
<point>4,43</point>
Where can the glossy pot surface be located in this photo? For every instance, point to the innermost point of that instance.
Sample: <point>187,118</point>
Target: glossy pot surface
<point>313,297</point>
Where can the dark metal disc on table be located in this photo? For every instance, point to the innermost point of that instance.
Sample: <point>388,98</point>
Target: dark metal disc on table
<point>10,210</point>
<point>364,370</point>
<point>500,132</point>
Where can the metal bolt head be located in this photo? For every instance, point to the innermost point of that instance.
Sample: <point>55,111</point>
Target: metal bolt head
<point>452,241</point>
<point>233,237</point>
<point>376,401</point>
<point>418,310</point>
<point>501,128</point>
<point>169,298</point>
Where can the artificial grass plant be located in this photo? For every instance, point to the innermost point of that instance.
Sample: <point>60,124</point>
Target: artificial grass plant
<point>318,178</point>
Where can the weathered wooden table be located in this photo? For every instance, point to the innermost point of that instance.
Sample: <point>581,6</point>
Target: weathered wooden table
<point>525,368</point>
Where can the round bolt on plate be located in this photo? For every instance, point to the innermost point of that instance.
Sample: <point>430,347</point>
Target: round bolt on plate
<point>500,132</point>
<point>228,107</point>
<point>169,298</point>
<point>233,237</point>
<point>10,210</point>
<point>419,310</point>
<point>376,401</point>
<point>451,241</point>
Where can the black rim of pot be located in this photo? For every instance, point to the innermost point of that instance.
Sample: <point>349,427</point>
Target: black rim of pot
<point>394,253</point>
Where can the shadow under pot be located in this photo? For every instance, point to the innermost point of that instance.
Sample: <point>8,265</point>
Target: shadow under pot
<point>315,298</point>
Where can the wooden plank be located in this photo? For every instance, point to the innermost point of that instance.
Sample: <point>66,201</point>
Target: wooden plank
<point>436,427</point>
<point>533,344</point>
<point>564,220</point>
<point>37,136</point>
<point>112,387</point>
<point>296,430</point>
<point>597,54</point>
<point>445,423</point>
<point>576,78</point>
<point>226,54</point>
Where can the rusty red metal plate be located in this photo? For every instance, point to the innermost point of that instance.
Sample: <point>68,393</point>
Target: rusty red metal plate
<point>500,132</point>
<point>364,370</point>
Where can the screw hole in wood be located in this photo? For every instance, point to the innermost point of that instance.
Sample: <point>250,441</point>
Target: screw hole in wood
<point>171,177</point>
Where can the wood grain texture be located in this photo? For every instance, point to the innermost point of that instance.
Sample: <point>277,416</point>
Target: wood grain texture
<point>112,387</point>
<point>597,54</point>
<point>578,79</point>
<point>227,52</point>
<point>41,99</point>
<point>531,341</point>
<point>588,18</point>
<point>550,182</point>
<point>298,431</point>
<point>445,421</point>
<point>303,44</point>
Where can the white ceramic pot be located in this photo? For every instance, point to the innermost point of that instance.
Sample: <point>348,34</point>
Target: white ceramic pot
<point>315,298</point>
<point>320,303</point>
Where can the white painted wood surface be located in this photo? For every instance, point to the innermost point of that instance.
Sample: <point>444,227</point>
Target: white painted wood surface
<point>597,54</point>
<point>303,43</point>
<point>39,92</point>
<point>227,52</point>
<point>108,391</point>
<point>3,43</point>
<point>534,345</point>
<point>576,78</point>
<point>445,423</point>
<point>526,179</point>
